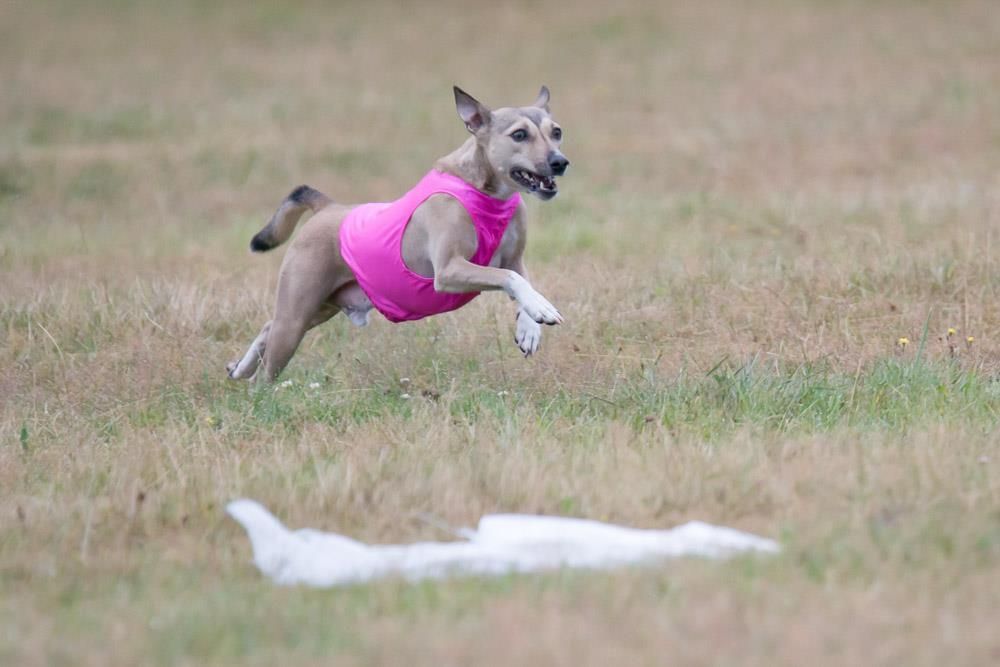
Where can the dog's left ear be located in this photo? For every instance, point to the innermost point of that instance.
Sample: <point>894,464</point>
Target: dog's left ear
<point>473,113</point>
<point>543,99</point>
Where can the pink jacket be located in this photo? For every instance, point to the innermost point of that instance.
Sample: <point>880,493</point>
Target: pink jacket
<point>371,239</point>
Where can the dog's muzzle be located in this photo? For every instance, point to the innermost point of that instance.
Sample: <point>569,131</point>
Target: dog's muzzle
<point>558,163</point>
<point>542,182</point>
<point>543,186</point>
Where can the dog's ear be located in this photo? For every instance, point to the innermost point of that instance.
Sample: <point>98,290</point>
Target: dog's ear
<point>543,99</point>
<point>473,113</point>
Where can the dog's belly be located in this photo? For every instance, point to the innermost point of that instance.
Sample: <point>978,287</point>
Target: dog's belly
<point>355,303</point>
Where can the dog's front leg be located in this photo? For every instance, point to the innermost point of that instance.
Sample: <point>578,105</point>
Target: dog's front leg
<point>527,332</point>
<point>461,275</point>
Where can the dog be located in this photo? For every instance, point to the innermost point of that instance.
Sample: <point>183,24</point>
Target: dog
<point>460,231</point>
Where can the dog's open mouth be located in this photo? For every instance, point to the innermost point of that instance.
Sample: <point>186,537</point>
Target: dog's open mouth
<point>543,185</point>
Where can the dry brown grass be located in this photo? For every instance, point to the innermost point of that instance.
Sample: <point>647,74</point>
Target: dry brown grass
<point>763,200</point>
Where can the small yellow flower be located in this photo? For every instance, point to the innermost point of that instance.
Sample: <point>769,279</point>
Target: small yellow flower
<point>970,340</point>
<point>951,331</point>
<point>903,342</point>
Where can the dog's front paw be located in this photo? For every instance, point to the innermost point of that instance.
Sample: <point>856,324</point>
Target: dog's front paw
<point>538,308</point>
<point>527,333</point>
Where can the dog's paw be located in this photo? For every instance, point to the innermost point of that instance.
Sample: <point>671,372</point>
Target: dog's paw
<point>538,308</point>
<point>242,369</point>
<point>527,334</point>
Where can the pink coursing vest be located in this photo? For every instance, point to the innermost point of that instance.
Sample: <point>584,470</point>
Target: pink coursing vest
<point>371,242</point>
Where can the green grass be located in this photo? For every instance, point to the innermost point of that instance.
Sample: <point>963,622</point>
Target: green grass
<point>894,394</point>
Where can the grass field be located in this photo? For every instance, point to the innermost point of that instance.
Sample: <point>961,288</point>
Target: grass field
<point>765,198</point>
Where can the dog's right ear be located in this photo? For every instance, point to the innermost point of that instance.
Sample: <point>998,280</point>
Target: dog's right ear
<point>542,102</point>
<point>472,112</point>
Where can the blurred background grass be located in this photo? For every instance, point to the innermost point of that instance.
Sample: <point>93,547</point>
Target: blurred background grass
<point>765,197</point>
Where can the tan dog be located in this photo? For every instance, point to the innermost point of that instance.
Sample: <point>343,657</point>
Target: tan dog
<point>510,150</point>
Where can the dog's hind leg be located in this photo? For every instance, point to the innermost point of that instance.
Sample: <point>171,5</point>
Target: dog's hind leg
<point>244,367</point>
<point>311,274</point>
<point>285,334</point>
<point>283,340</point>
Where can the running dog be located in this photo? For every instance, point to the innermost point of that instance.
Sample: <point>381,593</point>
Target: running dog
<point>459,231</point>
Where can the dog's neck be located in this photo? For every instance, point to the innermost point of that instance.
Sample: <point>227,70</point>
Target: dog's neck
<point>469,163</point>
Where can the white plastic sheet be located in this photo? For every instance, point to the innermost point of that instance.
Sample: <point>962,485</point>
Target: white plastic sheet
<point>501,544</point>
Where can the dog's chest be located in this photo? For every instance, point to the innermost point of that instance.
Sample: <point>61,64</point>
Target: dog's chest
<point>508,246</point>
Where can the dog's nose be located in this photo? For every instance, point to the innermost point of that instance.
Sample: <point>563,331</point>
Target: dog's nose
<point>558,164</point>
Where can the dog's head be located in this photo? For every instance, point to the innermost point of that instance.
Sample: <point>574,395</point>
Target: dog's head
<point>521,144</point>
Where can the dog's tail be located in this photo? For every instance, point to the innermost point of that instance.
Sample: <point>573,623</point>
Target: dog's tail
<point>283,222</point>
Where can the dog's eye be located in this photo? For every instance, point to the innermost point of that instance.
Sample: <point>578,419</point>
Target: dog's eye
<point>519,135</point>
<point>556,133</point>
